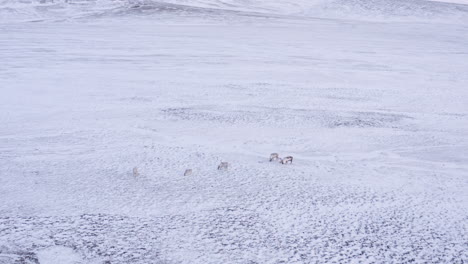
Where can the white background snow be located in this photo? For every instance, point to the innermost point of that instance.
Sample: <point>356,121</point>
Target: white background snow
<point>370,97</point>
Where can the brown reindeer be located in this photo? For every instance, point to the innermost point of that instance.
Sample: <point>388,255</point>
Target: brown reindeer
<point>287,159</point>
<point>135,172</point>
<point>274,156</point>
<point>223,166</point>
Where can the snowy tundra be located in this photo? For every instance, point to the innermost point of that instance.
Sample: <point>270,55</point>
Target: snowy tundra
<point>370,97</point>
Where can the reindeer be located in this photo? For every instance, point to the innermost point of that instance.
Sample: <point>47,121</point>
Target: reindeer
<point>223,166</point>
<point>286,160</point>
<point>188,172</point>
<point>135,172</point>
<point>274,156</point>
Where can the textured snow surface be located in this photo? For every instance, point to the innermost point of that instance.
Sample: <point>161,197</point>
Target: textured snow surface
<point>374,111</point>
<point>58,254</point>
<point>371,10</point>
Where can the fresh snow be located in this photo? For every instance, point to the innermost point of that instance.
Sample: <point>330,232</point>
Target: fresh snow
<point>370,97</point>
<point>58,254</point>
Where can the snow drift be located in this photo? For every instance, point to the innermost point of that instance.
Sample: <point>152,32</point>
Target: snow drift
<point>380,10</point>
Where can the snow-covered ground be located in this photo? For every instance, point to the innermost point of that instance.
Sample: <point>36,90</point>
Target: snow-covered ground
<point>370,97</point>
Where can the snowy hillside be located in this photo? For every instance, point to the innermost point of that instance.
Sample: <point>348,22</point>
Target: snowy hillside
<point>396,10</point>
<point>369,97</point>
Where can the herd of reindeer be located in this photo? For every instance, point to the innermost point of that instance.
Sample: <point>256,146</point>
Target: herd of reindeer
<point>225,165</point>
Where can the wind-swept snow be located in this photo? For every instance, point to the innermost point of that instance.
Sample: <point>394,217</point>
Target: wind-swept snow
<point>374,113</point>
<point>370,10</point>
<point>58,254</point>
